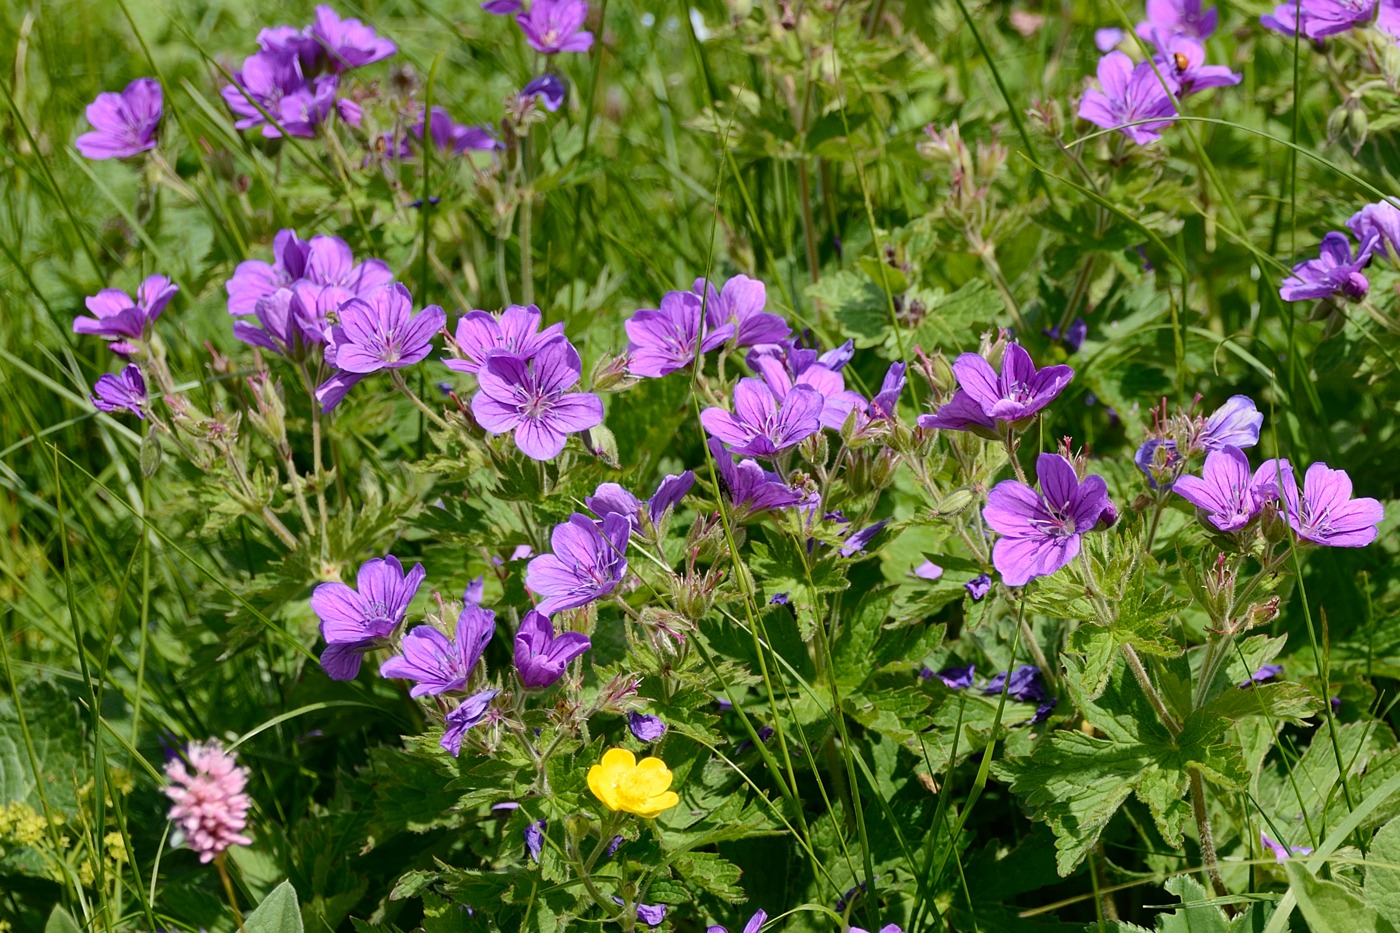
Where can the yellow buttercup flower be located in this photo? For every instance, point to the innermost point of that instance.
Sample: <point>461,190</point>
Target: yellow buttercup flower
<point>624,783</point>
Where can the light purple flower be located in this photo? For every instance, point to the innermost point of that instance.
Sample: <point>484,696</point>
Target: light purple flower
<point>986,402</point>
<point>646,728</point>
<point>292,318</point>
<point>467,714</point>
<point>534,838</point>
<point>1266,673</point>
<point>653,915</point>
<point>662,341</point>
<point>127,390</point>
<point>1388,18</point>
<point>891,388</point>
<point>1281,852</point>
<point>451,136</point>
<point>1167,18</point>
<point>1183,59</point>
<point>1234,424</point>
<point>1318,18</point>
<point>1378,222</point>
<point>1327,514</point>
<point>759,918</point>
<point>1335,272</point>
<point>259,86</point>
<point>531,398</point>
<point>117,316</point>
<point>612,499</point>
<point>857,542</point>
<point>355,621</point>
<point>376,332</point>
<point>540,655</point>
<point>928,570</point>
<point>552,26</point>
<point>517,331</point>
<point>437,664</point>
<point>123,124</point>
<point>669,492</point>
<point>741,302</point>
<point>837,402</point>
<point>549,89</point>
<point>1130,94</point>
<point>349,43</point>
<point>1107,38</point>
<point>298,43</point>
<point>1228,494</point>
<point>758,427</point>
<point>255,279</point>
<point>1040,531</point>
<point>978,587</point>
<point>749,487</point>
<point>587,563</point>
<point>329,261</point>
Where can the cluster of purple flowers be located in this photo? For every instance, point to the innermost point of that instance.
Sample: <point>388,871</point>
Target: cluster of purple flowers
<point>289,86</point>
<point>549,26</point>
<point>1163,456</point>
<point>126,322</point>
<point>1026,684</point>
<point>1337,271</point>
<point>1140,100</point>
<point>1317,19</point>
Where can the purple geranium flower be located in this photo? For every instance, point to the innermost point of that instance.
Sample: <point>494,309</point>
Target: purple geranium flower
<point>259,86</point>
<point>324,262</point>
<point>1335,272</point>
<point>1131,94</point>
<point>534,838</point>
<point>378,331</point>
<point>646,728</point>
<point>540,655</point>
<point>987,402</point>
<point>1227,493</point>
<point>612,499</point>
<point>664,340</point>
<point>329,261</point>
<point>651,914</point>
<point>1234,424</point>
<point>531,398</point>
<point>451,136</point>
<point>837,402</point>
<point>957,678</point>
<point>978,587</point>
<point>467,714</point>
<point>502,7</point>
<point>354,621</point>
<point>126,390</point>
<point>255,279</point>
<point>292,318</point>
<point>858,541</point>
<point>928,570</point>
<point>437,664</point>
<point>1184,60</point>
<point>1379,223</point>
<point>552,26</point>
<point>1266,673</point>
<point>1041,531</point>
<point>1318,18</point>
<point>549,89</point>
<point>758,427</point>
<point>1327,514</point>
<point>1281,852</point>
<point>759,918</point>
<point>300,111</point>
<point>740,301</point>
<point>1157,459</point>
<point>587,563</point>
<point>1167,18</point>
<point>669,492</point>
<point>117,316</point>
<point>1107,38</point>
<point>750,488</point>
<point>1027,684</point>
<point>123,124</point>
<point>349,43</point>
<point>517,331</point>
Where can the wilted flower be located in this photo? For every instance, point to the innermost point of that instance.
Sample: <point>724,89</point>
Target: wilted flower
<point>210,806</point>
<point>646,728</point>
<point>1041,531</point>
<point>663,341</point>
<point>1131,94</point>
<point>530,397</point>
<point>467,714</point>
<point>625,784</point>
<point>758,427</point>
<point>534,838</point>
<point>502,7</point>
<point>123,124</point>
<point>437,664</point>
<point>126,390</point>
<point>978,587</point>
<point>749,487</point>
<point>587,563</point>
<point>986,400</point>
<point>1335,272</point>
<point>540,655</point>
<point>858,541</point>
<point>549,89</point>
<point>355,621</point>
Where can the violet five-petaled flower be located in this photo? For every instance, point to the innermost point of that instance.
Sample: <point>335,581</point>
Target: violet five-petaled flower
<point>986,402</point>
<point>208,799</point>
<point>759,426</point>
<point>552,26</point>
<point>438,664</point>
<point>1177,17</point>
<point>750,488</point>
<point>308,267</point>
<point>645,728</point>
<point>587,563</point>
<point>540,655</point>
<point>978,587</point>
<point>672,337</point>
<point>1336,271</point>
<point>355,621</point>
<point>1227,493</point>
<point>530,397</point>
<point>123,391</point>
<point>1318,18</point>
<point>1133,99</point>
<point>376,332</point>
<point>118,317</point>
<point>516,331</point>
<point>1378,223</point>
<point>1040,531</point>
<point>1326,514</point>
<point>741,302</point>
<point>467,714</point>
<point>549,89</point>
<point>451,136</point>
<point>837,401</point>
<point>124,123</point>
<point>1234,424</point>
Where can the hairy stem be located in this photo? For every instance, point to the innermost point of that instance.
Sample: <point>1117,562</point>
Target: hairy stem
<point>1207,836</point>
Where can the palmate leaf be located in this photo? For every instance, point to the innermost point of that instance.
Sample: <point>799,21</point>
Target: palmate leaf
<point>1383,872</point>
<point>1330,908</point>
<point>781,566</point>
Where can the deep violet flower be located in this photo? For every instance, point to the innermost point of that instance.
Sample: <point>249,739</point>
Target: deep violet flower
<point>1318,18</point>
<point>1041,530</point>
<point>552,26</point>
<point>208,801</point>
<point>534,838</point>
<point>349,43</point>
<point>653,915</point>
<point>1157,459</point>
<point>741,302</point>
<point>355,621</point>
<point>1130,94</point>
<point>451,136</point>
<point>1167,18</point>
<point>613,499</point>
<point>124,123</point>
<point>1282,852</point>
<point>549,89</point>
<point>1183,59</point>
<point>750,488</point>
<point>662,341</point>
<point>1266,673</point>
<point>1336,271</point>
<point>517,331</point>
<point>957,678</point>
<point>987,401</point>
<point>758,426</point>
<point>587,564</point>
<point>1379,222</point>
<point>502,7</point>
<point>540,655</point>
<point>467,714</point>
<point>1227,493</point>
<point>378,331</point>
<point>124,391</point>
<point>887,928</point>
<point>1027,684</point>
<point>117,316</point>
<point>645,728</point>
<point>530,397</point>
<point>440,665</point>
<point>857,542</point>
<point>1234,424</point>
<point>759,918</point>
<point>669,492</point>
<point>1327,514</point>
<point>978,587</point>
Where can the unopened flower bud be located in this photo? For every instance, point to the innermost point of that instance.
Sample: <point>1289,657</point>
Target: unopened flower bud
<point>957,502</point>
<point>1273,524</point>
<point>610,374</point>
<point>1261,613</point>
<point>603,444</point>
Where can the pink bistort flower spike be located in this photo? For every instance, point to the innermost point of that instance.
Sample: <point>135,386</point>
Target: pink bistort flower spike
<point>210,806</point>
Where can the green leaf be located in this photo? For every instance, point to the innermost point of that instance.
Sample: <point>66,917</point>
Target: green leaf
<point>859,306</point>
<point>1383,872</point>
<point>278,913</point>
<point>1280,702</point>
<point>950,319</point>
<point>60,921</point>
<point>711,874</point>
<point>1196,913</point>
<point>1330,908</point>
<point>781,565</point>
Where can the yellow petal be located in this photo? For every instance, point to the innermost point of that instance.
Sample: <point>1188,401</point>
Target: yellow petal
<point>617,760</point>
<point>603,787</point>
<point>657,804</point>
